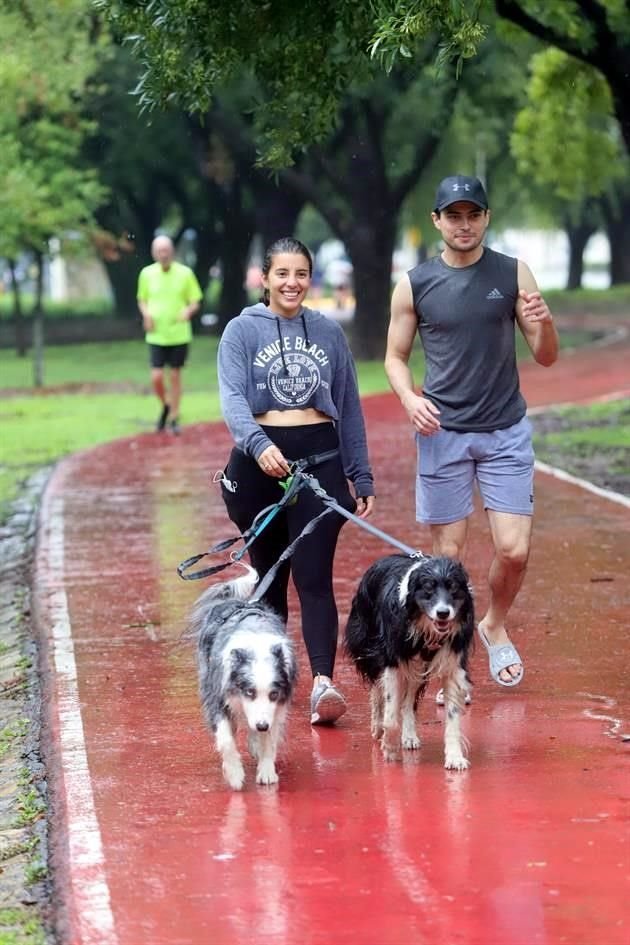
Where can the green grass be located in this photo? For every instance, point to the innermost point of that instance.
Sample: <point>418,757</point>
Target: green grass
<point>20,927</point>
<point>614,300</point>
<point>120,362</point>
<point>599,431</point>
<point>590,441</point>
<point>80,308</point>
<point>110,398</point>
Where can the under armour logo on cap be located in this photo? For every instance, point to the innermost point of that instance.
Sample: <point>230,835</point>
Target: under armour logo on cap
<point>459,187</point>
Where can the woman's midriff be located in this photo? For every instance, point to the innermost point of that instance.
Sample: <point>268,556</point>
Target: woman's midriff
<point>291,418</point>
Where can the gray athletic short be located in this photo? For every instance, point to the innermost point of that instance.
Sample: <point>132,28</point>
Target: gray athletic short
<point>449,463</point>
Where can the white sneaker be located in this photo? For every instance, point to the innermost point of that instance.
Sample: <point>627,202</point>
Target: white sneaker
<point>327,704</point>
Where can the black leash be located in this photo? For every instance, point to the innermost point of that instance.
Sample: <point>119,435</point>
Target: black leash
<point>294,483</point>
<point>288,551</point>
<point>297,480</point>
<point>332,504</point>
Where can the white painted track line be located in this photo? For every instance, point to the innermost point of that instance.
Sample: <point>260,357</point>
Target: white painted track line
<point>88,883</point>
<point>582,483</point>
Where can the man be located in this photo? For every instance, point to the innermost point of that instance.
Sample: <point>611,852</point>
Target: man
<point>168,297</point>
<point>470,416</point>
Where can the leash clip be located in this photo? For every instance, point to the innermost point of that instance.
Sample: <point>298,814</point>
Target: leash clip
<point>220,476</point>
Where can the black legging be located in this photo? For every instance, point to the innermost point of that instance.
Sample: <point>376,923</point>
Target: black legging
<point>311,564</point>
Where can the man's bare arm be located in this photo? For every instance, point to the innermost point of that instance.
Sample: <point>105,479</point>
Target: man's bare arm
<point>535,320</point>
<point>400,338</point>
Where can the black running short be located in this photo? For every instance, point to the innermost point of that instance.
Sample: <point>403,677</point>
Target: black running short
<point>173,355</point>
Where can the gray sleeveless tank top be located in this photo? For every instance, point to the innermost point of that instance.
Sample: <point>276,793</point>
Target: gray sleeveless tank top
<point>466,322</point>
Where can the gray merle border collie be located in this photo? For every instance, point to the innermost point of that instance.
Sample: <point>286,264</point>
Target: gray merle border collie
<point>410,620</point>
<point>247,674</point>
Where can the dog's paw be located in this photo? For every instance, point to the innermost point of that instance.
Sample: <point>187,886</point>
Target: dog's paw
<point>377,732</point>
<point>234,774</point>
<point>411,741</point>
<point>266,773</point>
<point>390,745</point>
<point>390,754</point>
<point>456,762</point>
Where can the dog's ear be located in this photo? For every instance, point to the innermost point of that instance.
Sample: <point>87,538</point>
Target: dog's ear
<point>286,663</point>
<point>277,651</point>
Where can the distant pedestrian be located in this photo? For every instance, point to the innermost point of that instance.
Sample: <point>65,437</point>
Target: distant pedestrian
<point>168,297</point>
<point>469,415</point>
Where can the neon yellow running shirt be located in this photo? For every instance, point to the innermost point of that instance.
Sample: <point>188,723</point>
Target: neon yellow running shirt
<point>166,293</point>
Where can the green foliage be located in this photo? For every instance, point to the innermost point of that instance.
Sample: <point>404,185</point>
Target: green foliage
<point>399,26</point>
<point>303,58</point>
<point>48,56</point>
<point>30,807</point>
<point>35,872</point>
<point>573,23</point>
<point>12,733</point>
<point>566,137</point>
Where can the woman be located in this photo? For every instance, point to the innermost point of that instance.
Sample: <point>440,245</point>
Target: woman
<point>288,391</point>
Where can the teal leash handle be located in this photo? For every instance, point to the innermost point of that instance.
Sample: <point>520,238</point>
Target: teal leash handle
<point>292,487</point>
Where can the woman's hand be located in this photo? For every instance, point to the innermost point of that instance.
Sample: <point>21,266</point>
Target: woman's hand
<point>273,463</point>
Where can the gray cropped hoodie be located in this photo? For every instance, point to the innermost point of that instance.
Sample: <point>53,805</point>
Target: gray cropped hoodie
<point>267,362</point>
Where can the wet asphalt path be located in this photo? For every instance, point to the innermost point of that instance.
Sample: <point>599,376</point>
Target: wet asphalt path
<point>148,845</point>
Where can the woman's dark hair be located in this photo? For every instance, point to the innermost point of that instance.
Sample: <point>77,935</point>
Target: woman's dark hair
<point>286,244</point>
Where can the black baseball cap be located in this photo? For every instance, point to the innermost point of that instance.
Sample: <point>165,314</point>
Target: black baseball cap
<point>459,187</point>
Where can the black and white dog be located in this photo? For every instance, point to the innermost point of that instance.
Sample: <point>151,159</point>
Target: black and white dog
<point>247,674</point>
<point>411,620</point>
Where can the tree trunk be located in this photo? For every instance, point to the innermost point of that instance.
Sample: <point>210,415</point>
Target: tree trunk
<point>123,278</point>
<point>619,239</point>
<point>372,277</point>
<point>127,255</point>
<point>18,312</point>
<point>618,231</point>
<point>207,251</point>
<point>277,212</point>
<point>238,230</point>
<point>38,324</point>
<point>234,269</point>
<point>578,236</point>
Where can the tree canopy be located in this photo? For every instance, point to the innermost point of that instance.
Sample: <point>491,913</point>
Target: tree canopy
<point>595,32</point>
<point>569,115</point>
<point>48,57</point>
<point>305,56</point>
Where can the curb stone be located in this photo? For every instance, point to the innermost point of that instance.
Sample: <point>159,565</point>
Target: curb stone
<point>23,847</point>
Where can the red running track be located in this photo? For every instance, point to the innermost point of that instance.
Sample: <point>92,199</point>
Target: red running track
<point>148,845</point>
